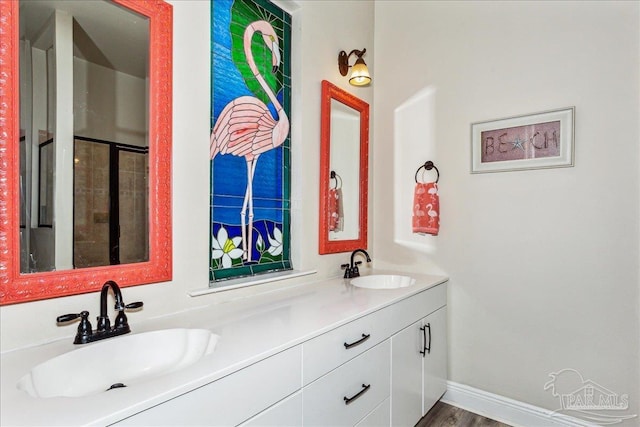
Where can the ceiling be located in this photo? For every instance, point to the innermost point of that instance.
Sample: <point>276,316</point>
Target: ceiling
<point>103,32</point>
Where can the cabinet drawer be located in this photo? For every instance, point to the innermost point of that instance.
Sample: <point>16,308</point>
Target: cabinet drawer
<point>232,399</point>
<point>414,308</point>
<point>285,413</point>
<point>332,349</point>
<point>365,380</point>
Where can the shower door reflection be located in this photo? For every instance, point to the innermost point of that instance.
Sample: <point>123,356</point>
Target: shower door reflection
<point>133,207</point>
<point>110,221</point>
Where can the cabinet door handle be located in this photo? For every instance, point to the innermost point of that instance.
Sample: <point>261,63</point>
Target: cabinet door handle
<point>355,343</point>
<point>365,388</point>
<point>426,349</point>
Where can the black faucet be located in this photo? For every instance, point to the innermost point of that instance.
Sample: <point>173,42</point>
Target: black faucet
<point>85,334</point>
<point>351,270</point>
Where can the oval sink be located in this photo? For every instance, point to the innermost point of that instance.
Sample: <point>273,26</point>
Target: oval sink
<point>383,281</point>
<point>118,362</point>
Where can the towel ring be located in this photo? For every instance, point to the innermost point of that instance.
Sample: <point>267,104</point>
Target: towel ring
<point>428,166</point>
<point>335,176</point>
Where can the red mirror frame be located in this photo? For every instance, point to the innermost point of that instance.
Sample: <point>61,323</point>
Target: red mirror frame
<point>16,287</point>
<point>329,92</point>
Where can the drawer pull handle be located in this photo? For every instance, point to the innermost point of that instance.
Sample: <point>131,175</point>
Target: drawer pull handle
<point>360,341</point>
<point>427,348</point>
<point>348,400</point>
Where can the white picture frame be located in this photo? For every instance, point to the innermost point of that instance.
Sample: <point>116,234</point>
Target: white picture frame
<point>532,141</point>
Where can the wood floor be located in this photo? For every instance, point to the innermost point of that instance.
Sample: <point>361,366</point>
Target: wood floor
<point>443,415</point>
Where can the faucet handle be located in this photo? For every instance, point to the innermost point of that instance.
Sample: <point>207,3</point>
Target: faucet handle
<point>84,328</point>
<point>347,270</point>
<point>69,317</point>
<point>134,305</point>
<point>121,319</point>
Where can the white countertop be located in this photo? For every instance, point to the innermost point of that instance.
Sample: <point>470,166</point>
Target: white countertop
<point>250,329</point>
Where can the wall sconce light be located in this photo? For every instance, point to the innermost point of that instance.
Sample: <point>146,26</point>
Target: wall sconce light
<point>359,73</point>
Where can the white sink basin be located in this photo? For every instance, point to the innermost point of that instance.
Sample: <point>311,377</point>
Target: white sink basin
<point>116,362</point>
<point>383,281</point>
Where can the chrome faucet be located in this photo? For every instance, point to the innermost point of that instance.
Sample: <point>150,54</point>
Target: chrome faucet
<point>104,330</point>
<point>351,270</point>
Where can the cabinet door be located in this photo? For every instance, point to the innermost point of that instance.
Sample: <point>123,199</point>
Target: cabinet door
<point>435,360</point>
<point>406,376</point>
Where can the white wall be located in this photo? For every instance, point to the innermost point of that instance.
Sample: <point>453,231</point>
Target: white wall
<point>543,264</point>
<point>328,28</point>
<point>109,105</point>
<point>319,34</point>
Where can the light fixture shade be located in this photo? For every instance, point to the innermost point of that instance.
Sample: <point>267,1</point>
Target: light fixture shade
<point>359,74</point>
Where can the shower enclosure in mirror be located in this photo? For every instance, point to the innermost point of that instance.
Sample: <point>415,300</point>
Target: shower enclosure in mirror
<point>88,154</point>
<point>110,203</point>
<point>344,148</point>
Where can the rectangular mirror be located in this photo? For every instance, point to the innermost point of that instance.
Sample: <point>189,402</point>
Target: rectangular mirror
<point>344,153</point>
<point>88,155</point>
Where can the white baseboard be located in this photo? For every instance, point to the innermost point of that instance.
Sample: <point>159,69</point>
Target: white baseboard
<point>505,410</point>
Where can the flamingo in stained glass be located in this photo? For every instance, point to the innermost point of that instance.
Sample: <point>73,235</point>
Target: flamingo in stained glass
<point>246,128</point>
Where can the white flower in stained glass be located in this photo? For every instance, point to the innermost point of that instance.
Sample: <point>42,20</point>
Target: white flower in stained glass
<point>260,243</point>
<point>276,242</point>
<point>226,249</point>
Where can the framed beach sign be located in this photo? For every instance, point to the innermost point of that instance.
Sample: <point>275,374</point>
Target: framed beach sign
<point>533,141</point>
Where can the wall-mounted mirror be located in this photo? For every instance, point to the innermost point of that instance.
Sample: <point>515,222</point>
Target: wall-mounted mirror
<point>344,154</point>
<point>86,139</point>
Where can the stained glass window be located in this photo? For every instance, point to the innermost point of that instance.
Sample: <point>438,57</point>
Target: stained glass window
<point>250,143</point>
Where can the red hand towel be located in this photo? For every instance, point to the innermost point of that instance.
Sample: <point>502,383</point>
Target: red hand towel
<point>426,208</point>
<point>334,206</point>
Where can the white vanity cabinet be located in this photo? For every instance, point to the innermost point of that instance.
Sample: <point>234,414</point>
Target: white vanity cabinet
<point>382,351</point>
<point>418,368</point>
<point>366,372</point>
<point>318,353</point>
